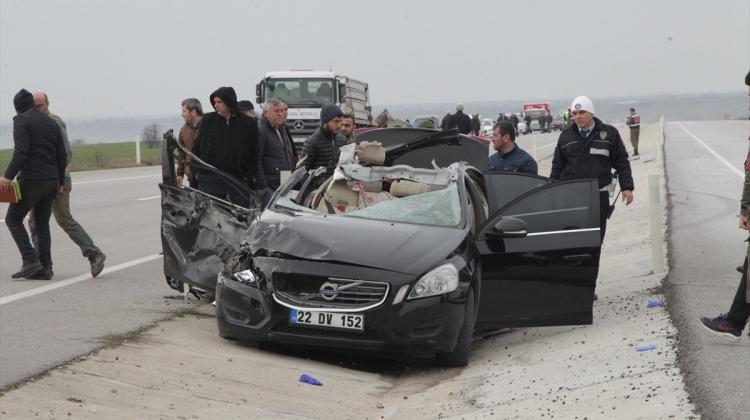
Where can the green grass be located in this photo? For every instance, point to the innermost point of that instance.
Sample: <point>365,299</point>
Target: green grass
<point>102,156</point>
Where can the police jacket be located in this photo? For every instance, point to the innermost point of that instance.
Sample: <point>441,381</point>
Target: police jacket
<point>276,153</point>
<point>232,146</point>
<point>39,152</point>
<point>322,149</point>
<point>577,157</point>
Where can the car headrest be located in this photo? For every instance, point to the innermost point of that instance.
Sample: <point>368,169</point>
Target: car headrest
<point>338,193</point>
<point>404,188</point>
<point>370,153</point>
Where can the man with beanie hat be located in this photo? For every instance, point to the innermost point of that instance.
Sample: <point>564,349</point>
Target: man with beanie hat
<point>322,147</point>
<point>228,140</point>
<point>247,108</point>
<point>39,160</point>
<point>590,148</point>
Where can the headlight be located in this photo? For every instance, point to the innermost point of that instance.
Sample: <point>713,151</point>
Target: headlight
<point>245,277</point>
<point>439,281</point>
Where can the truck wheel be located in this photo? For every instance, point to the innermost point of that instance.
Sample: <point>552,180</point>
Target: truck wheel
<point>459,357</point>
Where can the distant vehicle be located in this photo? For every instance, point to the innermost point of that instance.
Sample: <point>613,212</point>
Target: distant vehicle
<point>558,124</point>
<point>307,91</point>
<point>535,111</point>
<point>487,127</point>
<point>426,121</point>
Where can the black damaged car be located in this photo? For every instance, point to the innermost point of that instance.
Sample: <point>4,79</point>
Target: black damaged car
<point>383,256</point>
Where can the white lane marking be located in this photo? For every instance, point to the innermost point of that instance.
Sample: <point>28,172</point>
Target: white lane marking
<point>148,198</point>
<point>116,179</point>
<point>716,155</point>
<point>77,279</point>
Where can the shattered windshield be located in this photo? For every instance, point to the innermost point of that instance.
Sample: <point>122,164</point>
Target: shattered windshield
<point>440,208</point>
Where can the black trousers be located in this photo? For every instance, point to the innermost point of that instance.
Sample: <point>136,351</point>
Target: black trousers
<point>215,185</point>
<point>740,310</point>
<point>37,197</point>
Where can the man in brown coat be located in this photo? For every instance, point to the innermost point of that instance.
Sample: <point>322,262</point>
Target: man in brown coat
<point>192,113</point>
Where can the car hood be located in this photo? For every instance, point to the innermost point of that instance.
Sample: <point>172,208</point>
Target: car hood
<point>405,248</point>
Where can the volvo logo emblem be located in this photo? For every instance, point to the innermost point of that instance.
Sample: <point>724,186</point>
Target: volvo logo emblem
<point>329,291</point>
<point>298,124</point>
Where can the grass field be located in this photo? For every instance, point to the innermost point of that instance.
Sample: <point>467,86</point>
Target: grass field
<point>102,156</point>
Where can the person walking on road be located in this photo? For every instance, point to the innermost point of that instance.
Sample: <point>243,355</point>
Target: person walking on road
<point>461,120</point>
<point>228,141</point>
<point>446,122</point>
<point>192,114</point>
<point>61,203</point>
<point>527,120</point>
<point>729,326</point>
<point>509,156</point>
<point>514,121</point>
<point>39,161</point>
<point>634,122</point>
<point>590,148</point>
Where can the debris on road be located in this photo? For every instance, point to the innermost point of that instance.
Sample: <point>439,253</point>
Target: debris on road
<point>645,347</point>
<point>654,303</point>
<point>309,380</point>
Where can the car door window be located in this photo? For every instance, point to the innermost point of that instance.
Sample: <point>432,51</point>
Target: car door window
<point>504,187</point>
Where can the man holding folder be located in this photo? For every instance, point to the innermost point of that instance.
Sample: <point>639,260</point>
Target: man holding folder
<point>39,159</point>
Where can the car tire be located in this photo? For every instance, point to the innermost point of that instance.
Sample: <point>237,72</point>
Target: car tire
<point>459,357</point>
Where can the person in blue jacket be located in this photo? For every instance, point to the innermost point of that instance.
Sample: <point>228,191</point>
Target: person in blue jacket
<point>509,157</point>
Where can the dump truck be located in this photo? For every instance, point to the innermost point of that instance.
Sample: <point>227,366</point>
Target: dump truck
<point>307,91</point>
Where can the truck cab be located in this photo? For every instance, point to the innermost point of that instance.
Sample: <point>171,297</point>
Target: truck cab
<point>307,91</point>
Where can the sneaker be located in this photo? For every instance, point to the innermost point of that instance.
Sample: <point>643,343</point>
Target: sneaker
<point>44,274</point>
<point>97,263</point>
<point>721,327</point>
<point>27,270</point>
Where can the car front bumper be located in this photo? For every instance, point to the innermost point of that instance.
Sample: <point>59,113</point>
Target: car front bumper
<point>420,326</point>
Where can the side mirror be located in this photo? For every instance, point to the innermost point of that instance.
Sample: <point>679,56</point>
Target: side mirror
<point>342,93</point>
<point>510,227</point>
<point>257,90</point>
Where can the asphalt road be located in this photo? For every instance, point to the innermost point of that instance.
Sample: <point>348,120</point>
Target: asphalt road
<point>42,326</point>
<point>704,162</point>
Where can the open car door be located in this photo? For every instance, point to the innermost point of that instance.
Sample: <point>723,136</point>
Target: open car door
<point>540,253</point>
<point>199,232</point>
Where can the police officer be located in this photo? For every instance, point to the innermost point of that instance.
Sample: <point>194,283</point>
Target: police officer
<point>591,149</point>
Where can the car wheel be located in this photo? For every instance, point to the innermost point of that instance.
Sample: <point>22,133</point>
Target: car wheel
<point>459,357</point>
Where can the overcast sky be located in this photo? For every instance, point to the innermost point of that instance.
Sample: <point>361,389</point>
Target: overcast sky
<point>138,57</point>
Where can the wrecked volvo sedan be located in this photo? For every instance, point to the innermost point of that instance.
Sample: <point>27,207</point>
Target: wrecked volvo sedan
<point>387,257</point>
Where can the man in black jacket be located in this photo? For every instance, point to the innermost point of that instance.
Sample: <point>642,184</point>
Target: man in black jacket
<point>228,140</point>
<point>322,147</point>
<point>275,148</point>
<point>461,120</point>
<point>591,149</point>
<point>39,160</point>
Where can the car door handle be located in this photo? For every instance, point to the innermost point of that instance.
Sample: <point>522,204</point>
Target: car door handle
<point>577,257</point>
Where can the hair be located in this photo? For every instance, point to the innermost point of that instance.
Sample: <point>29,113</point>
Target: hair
<point>193,104</point>
<point>504,128</point>
<point>350,116</point>
<point>632,109</point>
<point>272,102</point>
